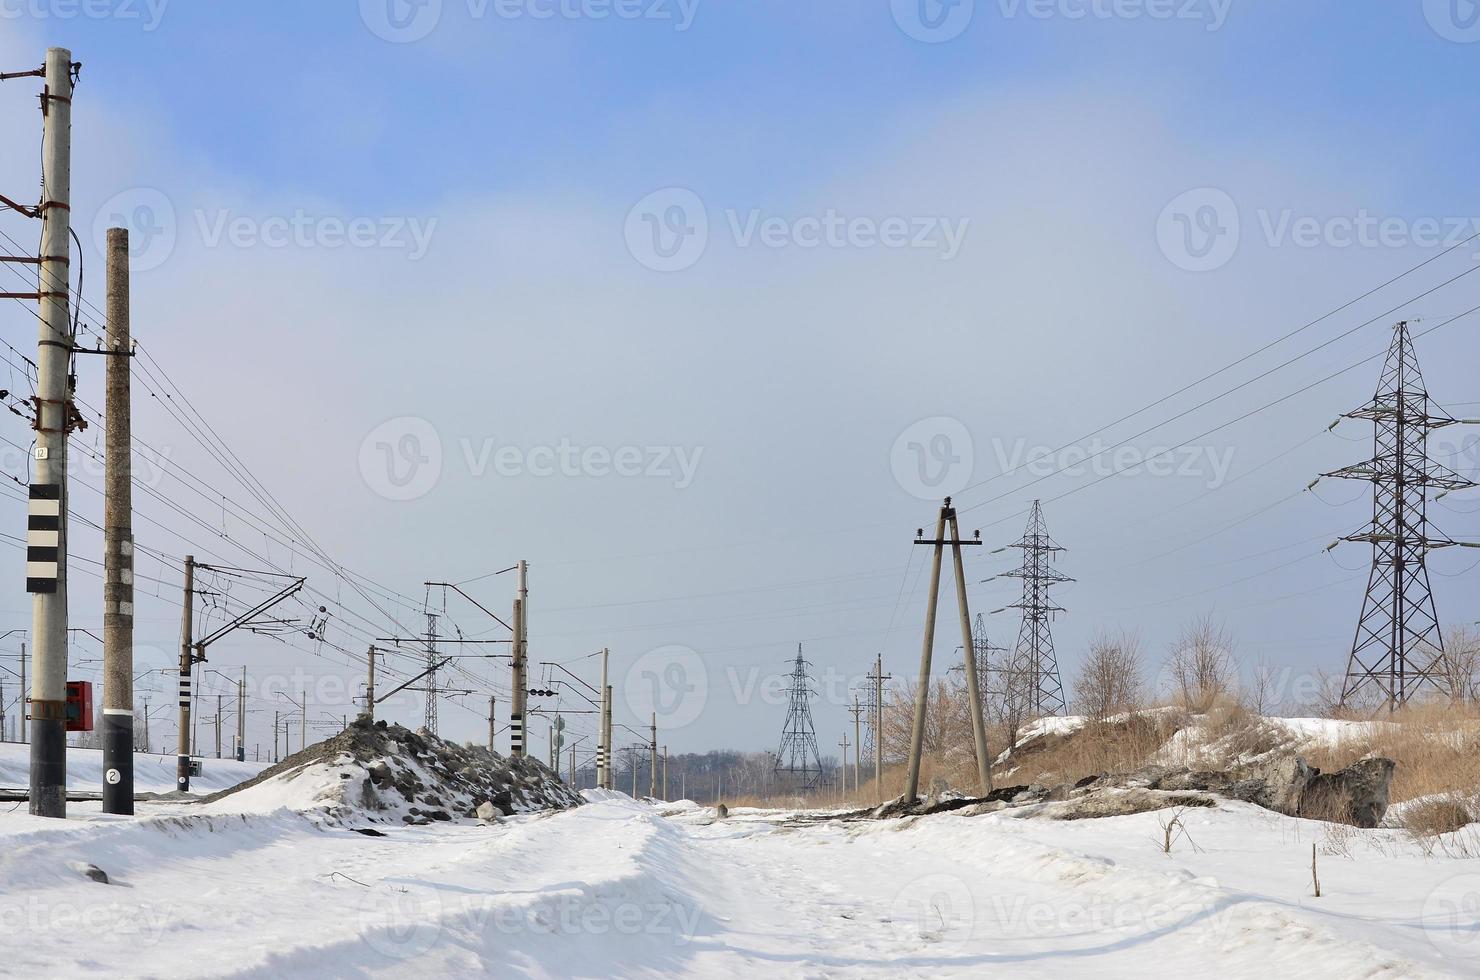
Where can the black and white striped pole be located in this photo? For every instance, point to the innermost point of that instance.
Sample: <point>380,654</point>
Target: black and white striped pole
<point>118,543</point>
<point>46,543</point>
<point>187,666</point>
<point>603,742</point>
<point>520,664</point>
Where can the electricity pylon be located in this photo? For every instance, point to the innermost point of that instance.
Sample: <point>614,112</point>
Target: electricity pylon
<point>1034,668</point>
<point>798,756</point>
<point>431,681</point>
<point>1398,648</point>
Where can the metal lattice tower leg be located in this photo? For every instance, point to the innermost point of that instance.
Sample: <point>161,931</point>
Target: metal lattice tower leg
<point>1034,667</point>
<point>431,682</point>
<point>798,756</point>
<point>1398,649</point>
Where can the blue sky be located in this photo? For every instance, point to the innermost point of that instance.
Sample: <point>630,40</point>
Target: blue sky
<point>1057,145</point>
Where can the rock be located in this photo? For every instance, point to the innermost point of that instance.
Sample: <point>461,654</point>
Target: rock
<point>1120,803</point>
<point>95,873</point>
<point>1059,792</point>
<point>439,815</point>
<point>504,802</point>
<point>487,812</point>
<point>721,812</point>
<point>1283,778</point>
<point>1357,795</point>
<point>380,773</point>
<point>1199,780</point>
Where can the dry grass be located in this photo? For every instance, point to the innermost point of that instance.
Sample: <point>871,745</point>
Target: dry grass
<point>1436,747</point>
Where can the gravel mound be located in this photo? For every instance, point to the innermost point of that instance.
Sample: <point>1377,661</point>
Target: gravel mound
<point>388,773</point>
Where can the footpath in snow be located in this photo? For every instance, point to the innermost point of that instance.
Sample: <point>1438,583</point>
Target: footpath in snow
<point>617,888</point>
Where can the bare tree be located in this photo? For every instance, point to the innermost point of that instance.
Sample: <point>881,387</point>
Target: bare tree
<point>1461,662</point>
<point>1110,682</point>
<point>1259,695</point>
<point>1201,663</point>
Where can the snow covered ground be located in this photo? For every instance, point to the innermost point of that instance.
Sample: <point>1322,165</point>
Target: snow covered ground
<point>152,773</point>
<point>622,889</point>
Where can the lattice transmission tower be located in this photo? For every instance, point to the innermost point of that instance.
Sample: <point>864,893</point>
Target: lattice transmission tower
<point>1398,649</point>
<point>431,679</point>
<point>798,759</point>
<point>1034,668</point>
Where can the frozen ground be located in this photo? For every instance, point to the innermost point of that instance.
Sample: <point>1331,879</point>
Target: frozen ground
<point>621,889</point>
<point>152,773</point>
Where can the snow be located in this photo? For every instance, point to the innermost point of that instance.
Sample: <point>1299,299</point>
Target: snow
<point>152,773</point>
<point>618,888</point>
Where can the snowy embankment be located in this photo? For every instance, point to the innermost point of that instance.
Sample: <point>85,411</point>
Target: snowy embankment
<point>152,773</point>
<point>622,889</point>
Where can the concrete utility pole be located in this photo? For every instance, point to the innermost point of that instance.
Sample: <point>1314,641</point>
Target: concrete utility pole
<point>187,663</point>
<point>572,767</point>
<point>879,678</point>
<point>653,757</point>
<point>611,776</point>
<point>46,538</point>
<point>603,745</point>
<point>241,718</point>
<point>370,691</point>
<point>219,699</point>
<point>490,722</point>
<point>274,735</point>
<point>665,772</point>
<point>922,692</point>
<point>118,543</point>
<point>25,733</point>
<point>520,662</point>
<point>303,720</point>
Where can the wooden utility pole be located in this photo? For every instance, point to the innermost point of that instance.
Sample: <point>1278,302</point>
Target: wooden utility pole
<point>922,692</point>
<point>46,536</point>
<point>118,542</point>
<point>857,710</point>
<point>187,666</point>
<point>843,768</point>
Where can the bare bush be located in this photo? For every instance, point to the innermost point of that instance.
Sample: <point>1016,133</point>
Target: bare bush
<point>1201,664</point>
<point>1109,681</point>
<point>1461,662</point>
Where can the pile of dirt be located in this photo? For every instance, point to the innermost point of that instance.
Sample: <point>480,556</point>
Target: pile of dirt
<point>388,773</point>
